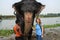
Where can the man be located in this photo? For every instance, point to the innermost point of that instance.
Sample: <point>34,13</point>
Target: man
<point>17,31</point>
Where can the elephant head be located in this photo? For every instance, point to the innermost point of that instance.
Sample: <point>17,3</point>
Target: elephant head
<point>26,10</point>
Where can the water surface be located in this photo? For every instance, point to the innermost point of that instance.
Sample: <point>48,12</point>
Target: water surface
<point>9,23</point>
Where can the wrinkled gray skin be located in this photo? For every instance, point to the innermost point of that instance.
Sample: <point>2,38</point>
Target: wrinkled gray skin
<point>28,9</point>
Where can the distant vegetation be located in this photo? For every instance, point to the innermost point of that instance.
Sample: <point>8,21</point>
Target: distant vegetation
<point>41,15</point>
<point>7,17</point>
<point>51,15</point>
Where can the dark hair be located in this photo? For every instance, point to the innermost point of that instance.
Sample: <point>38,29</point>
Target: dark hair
<point>17,21</point>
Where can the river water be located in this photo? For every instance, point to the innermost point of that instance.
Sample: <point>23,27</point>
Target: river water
<point>9,23</point>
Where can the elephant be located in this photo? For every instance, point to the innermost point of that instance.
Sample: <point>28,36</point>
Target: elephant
<point>25,11</point>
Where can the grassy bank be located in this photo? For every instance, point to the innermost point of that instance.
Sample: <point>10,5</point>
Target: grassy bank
<point>52,26</point>
<point>9,32</point>
<point>6,32</point>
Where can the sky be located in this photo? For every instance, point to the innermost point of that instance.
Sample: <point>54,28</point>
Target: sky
<point>51,6</point>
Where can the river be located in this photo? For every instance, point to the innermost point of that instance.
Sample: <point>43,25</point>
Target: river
<point>9,23</point>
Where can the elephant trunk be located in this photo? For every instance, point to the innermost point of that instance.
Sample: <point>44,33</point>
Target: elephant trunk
<point>28,23</point>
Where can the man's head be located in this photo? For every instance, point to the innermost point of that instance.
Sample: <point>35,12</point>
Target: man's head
<point>17,22</point>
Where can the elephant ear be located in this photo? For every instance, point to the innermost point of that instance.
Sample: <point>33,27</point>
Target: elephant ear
<point>42,7</point>
<point>40,10</point>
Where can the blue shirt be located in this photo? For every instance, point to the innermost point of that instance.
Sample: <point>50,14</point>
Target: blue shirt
<point>38,29</point>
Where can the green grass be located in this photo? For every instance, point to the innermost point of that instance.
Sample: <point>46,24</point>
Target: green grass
<point>51,26</point>
<point>6,32</point>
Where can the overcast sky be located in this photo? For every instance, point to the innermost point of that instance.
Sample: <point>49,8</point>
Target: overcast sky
<point>52,6</point>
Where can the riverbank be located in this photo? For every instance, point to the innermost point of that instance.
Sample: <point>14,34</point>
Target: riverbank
<point>7,32</point>
<point>50,34</point>
<point>51,26</point>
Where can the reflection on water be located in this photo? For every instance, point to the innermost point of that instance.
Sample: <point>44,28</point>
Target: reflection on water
<point>8,23</point>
